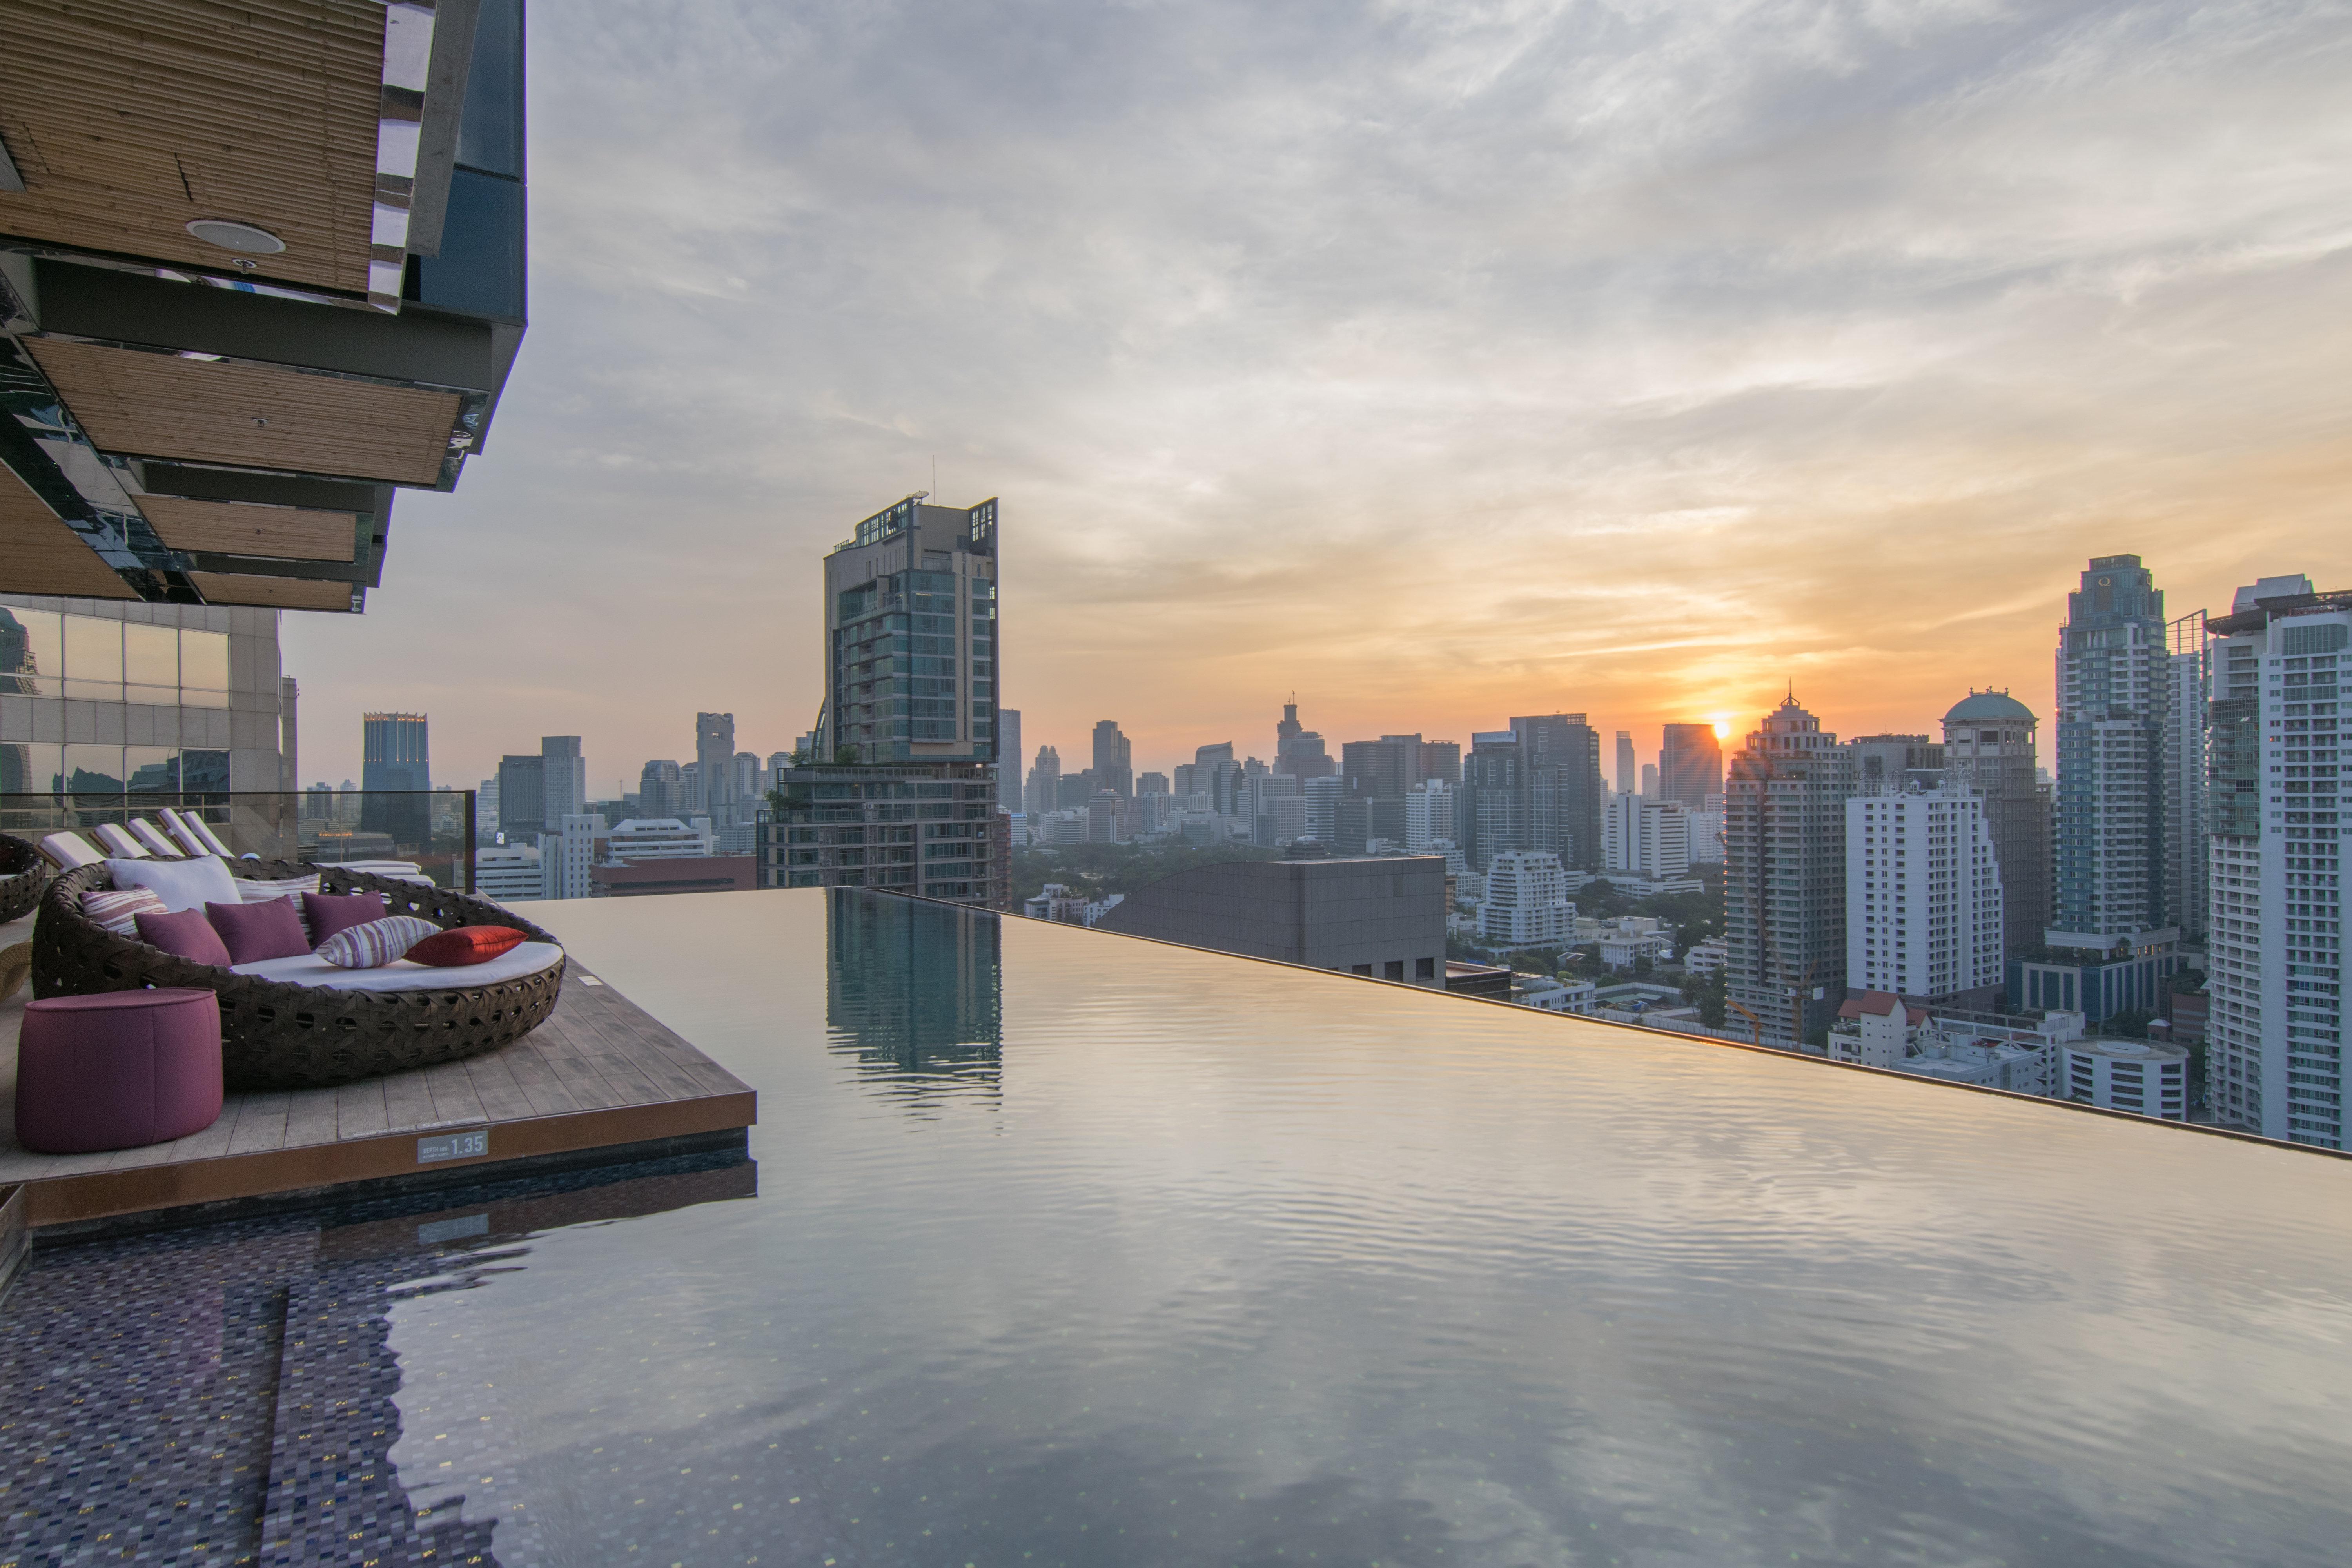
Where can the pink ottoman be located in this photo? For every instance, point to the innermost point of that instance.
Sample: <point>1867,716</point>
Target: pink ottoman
<point>117,1070</point>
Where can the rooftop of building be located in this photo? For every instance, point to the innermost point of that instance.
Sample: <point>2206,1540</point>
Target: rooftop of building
<point>1988,707</point>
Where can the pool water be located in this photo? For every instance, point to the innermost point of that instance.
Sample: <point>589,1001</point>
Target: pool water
<point>1067,1248</point>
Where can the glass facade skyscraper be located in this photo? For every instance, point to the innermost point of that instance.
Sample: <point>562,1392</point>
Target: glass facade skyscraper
<point>2113,698</point>
<point>910,655</point>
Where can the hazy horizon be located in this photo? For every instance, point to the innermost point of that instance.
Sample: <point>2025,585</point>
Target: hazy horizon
<point>1437,363</point>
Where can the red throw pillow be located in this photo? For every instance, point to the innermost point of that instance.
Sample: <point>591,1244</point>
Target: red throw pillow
<point>252,933</point>
<point>332,912</point>
<point>184,933</point>
<point>461,945</point>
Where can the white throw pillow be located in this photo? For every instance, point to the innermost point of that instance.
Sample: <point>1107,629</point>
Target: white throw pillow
<point>181,884</point>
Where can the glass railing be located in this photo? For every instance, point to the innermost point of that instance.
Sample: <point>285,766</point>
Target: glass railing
<point>432,828</point>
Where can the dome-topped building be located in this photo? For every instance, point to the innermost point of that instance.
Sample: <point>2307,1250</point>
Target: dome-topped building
<point>1988,743</point>
<point>1989,707</point>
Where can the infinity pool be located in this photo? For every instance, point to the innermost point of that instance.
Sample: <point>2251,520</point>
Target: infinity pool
<point>1068,1248</point>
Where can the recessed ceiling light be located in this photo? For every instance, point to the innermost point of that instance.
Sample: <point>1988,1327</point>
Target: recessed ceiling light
<point>240,237</point>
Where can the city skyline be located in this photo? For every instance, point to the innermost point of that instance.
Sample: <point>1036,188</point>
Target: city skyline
<point>1432,365</point>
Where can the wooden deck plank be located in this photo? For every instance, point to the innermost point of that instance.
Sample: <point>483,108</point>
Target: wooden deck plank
<point>407,1101</point>
<point>648,1039</point>
<point>453,1099</point>
<point>214,1141</point>
<point>541,1086</point>
<point>502,1097</point>
<point>632,1045</point>
<point>359,1110</point>
<point>614,1063</point>
<point>577,1072</point>
<point>261,1126</point>
<point>311,1117</point>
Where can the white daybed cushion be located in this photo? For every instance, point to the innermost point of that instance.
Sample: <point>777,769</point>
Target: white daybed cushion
<point>119,841</point>
<point>181,884</point>
<point>203,830</point>
<point>178,825</point>
<point>70,850</point>
<point>157,845</point>
<point>309,969</point>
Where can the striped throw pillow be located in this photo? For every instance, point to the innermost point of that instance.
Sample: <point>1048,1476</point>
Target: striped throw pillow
<point>372,944</point>
<point>119,909</point>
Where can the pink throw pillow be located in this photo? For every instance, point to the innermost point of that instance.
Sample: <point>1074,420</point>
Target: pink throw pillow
<point>332,912</point>
<point>252,933</point>
<point>184,933</point>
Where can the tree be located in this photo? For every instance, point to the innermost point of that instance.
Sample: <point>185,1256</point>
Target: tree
<point>1711,1001</point>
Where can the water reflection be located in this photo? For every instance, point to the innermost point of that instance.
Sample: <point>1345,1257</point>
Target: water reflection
<point>237,1387</point>
<point>915,992</point>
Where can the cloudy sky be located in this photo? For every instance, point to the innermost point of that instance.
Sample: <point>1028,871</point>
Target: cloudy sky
<point>1440,361</point>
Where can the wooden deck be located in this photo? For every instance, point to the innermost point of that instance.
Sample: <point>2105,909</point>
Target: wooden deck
<point>601,1072</point>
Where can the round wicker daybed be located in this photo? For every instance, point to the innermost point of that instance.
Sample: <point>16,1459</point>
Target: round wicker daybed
<point>276,1035</point>
<point>24,875</point>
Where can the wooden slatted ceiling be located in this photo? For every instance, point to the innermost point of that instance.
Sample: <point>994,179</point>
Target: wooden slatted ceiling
<point>209,411</point>
<point>235,528</point>
<point>39,555</point>
<point>272,593</point>
<point>129,119</point>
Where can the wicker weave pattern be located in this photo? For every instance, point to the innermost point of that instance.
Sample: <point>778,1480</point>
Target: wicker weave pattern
<point>275,1036</point>
<point>24,876</point>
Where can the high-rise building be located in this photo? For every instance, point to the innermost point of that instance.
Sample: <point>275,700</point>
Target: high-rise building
<point>1645,838</point>
<point>1440,761</point>
<point>1490,808</point>
<point>714,754</point>
<point>567,853</point>
<point>1008,748</point>
<point>917,581</point>
<point>522,798</point>
<point>1385,768</point>
<point>910,667</point>
<point>1560,760</point>
<point>2113,702</point>
<point>1888,761</point>
<point>1043,790</point>
<point>1650,781</point>
<point>1525,904</point>
<point>1428,816</point>
<point>661,789</point>
<point>564,775</point>
<point>1690,765</point>
<point>1989,748</point>
<point>395,759</point>
<point>1298,749</point>
<point>1626,773</point>
<point>2187,844</point>
<point>2274,1039</point>
<point>1784,874</point>
<point>1114,761</point>
<point>1152,783</point>
<point>1922,900</point>
<point>744,786</point>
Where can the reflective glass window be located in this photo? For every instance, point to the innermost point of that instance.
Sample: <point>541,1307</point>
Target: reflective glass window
<point>28,768</point>
<point>31,654</point>
<point>93,658</point>
<point>490,127</point>
<point>203,669</point>
<point>150,769</point>
<point>151,664</point>
<point>204,771</point>
<point>93,770</point>
<point>480,268</point>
